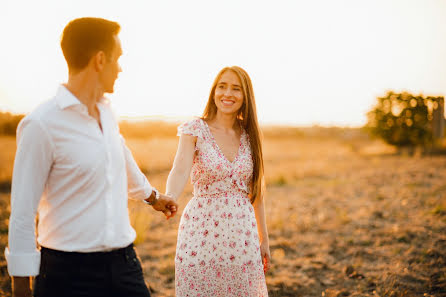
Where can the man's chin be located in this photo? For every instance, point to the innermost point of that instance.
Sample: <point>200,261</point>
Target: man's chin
<point>109,91</point>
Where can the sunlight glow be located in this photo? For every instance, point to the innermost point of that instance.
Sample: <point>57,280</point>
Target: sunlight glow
<point>311,62</point>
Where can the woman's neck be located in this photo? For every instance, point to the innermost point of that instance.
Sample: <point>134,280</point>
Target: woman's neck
<point>225,121</point>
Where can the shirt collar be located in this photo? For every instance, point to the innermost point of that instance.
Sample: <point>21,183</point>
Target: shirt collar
<point>66,99</point>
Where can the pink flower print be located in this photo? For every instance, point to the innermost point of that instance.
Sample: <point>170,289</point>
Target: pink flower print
<point>193,253</point>
<point>248,233</point>
<point>191,265</point>
<point>223,215</point>
<point>209,201</point>
<point>238,203</point>
<point>221,259</point>
<point>229,215</point>
<point>195,219</point>
<point>253,224</point>
<point>186,216</point>
<point>203,242</point>
<point>216,223</point>
<point>218,274</point>
<point>202,224</point>
<point>239,231</point>
<point>200,205</point>
<point>205,233</point>
<point>202,263</point>
<point>182,227</point>
<point>232,244</point>
<point>245,252</point>
<point>225,244</point>
<point>226,201</point>
<point>246,242</point>
<point>214,248</point>
<point>216,235</point>
<point>192,233</point>
<point>192,286</point>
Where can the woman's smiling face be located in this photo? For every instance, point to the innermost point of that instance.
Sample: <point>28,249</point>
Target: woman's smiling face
<point>228,95</point>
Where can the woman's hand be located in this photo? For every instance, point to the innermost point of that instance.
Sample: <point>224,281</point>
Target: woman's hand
<point>167,205</point>
<point>266,255</point>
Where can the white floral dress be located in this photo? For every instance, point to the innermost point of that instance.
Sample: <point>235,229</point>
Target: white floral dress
<point>218,250</point>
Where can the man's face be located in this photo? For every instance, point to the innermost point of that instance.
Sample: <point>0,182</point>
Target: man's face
<point>111,69</point>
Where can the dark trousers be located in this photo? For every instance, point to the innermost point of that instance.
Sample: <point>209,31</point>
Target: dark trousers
<point>68,274</point>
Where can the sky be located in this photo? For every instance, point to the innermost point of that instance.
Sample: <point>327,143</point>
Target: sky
<point>318,62</point>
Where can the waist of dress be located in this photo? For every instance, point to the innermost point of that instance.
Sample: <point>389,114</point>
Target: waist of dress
<point>222,195</point>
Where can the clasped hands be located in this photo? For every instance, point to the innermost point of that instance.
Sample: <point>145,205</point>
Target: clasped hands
<point>166,205</point>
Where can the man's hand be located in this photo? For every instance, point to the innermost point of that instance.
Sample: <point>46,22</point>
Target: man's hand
<point>166,205</point>
<point>21,286</point>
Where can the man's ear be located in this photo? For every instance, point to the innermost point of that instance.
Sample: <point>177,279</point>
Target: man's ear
<point>99,61</point>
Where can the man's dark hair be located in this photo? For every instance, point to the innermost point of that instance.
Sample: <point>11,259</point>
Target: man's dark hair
<point>84,37</point>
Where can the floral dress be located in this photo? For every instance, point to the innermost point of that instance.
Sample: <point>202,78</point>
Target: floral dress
<point>218,250</point>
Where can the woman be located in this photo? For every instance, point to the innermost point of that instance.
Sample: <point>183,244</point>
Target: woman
<point>222,247</point>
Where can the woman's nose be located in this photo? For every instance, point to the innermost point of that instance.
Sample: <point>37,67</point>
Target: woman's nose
<point>228,92</point>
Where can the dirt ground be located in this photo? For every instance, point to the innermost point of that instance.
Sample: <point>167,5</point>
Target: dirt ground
<point>346,217</point>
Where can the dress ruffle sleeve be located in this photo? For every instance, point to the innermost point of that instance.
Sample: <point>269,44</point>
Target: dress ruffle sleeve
<point>193,128</point>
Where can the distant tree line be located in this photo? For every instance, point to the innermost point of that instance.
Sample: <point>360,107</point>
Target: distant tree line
<point>405,120</point>
<point>9,122</point>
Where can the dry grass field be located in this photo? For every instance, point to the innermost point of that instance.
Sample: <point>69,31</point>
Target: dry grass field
<point>347,216</point>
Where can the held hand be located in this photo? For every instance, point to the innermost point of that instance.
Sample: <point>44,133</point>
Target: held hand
<point>166,205</point>
<point>266,256</point>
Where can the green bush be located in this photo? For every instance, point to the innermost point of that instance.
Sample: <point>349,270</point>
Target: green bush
<point>402,119</point>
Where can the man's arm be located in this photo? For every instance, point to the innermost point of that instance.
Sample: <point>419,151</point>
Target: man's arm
<point>140,188</point>
<point>33,160</point>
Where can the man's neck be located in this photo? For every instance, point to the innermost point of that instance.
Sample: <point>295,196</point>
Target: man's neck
<point>85,89</point>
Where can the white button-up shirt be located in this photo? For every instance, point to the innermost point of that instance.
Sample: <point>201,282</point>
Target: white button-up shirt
<point>76,177</point>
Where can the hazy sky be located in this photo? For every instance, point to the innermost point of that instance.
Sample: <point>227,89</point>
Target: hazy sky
<point>311,62</point>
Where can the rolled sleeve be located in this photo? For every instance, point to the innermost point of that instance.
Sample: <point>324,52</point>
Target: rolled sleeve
<point>32,165</point>
<point>139,187</point>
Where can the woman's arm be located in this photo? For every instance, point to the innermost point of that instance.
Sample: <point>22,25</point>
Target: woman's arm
<point>179,174</point>
<point>259,210</point>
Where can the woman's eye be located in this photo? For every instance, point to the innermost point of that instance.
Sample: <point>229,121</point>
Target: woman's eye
<point>236,89</point>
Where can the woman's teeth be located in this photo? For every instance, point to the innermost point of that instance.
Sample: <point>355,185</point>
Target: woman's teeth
<point>227,102</point>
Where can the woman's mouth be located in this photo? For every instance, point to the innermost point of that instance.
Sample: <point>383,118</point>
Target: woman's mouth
<point>227,102</point>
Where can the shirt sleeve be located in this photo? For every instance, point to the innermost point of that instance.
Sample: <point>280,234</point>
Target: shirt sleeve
<point>33,160</point>
<point>139,187</point>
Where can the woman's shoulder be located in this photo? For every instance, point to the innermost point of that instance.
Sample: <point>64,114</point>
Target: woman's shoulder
<point>192,127</point>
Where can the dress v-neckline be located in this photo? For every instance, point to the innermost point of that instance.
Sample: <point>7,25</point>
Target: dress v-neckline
<point>218,147</point>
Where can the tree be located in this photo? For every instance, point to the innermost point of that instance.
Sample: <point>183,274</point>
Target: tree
<point>403,120</point>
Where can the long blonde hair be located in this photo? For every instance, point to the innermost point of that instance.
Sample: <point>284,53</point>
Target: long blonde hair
<point>248,118</point>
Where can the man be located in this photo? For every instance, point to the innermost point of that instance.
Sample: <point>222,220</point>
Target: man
<point>73,168</point>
